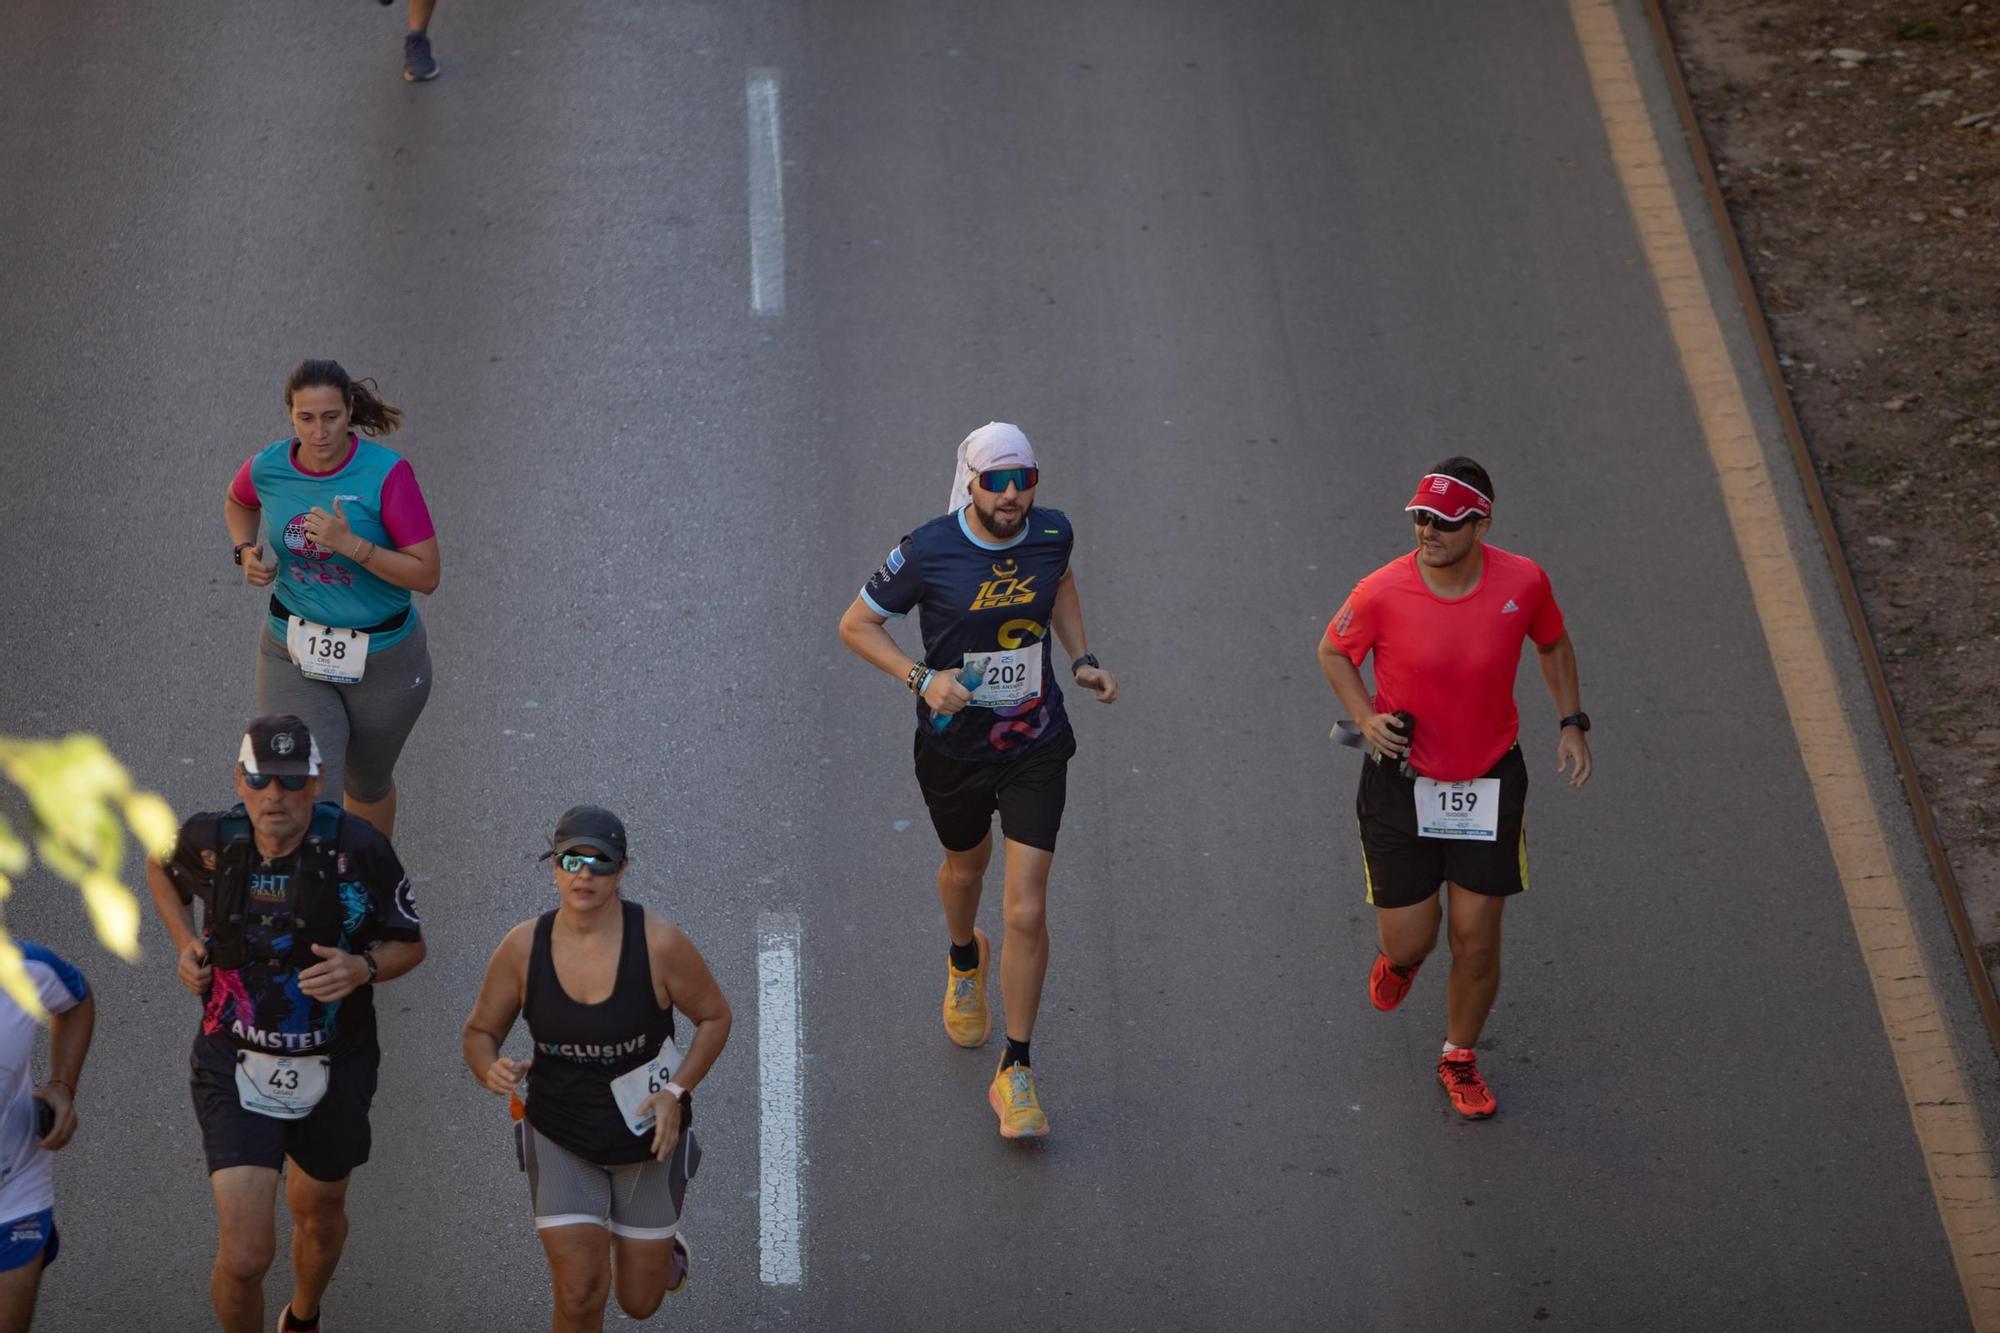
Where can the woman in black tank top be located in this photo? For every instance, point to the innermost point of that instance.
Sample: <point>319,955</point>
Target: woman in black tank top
<point>580,1048</point>
<point>598,1068</point>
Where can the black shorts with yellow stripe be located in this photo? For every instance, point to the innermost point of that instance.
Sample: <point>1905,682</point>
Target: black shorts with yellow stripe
<point>1404,869</point>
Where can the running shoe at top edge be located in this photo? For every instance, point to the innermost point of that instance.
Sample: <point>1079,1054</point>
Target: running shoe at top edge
<point>419,66</point>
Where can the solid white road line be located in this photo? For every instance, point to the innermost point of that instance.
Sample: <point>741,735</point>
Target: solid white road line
<point>767,196</point>
<point>781,1097</point>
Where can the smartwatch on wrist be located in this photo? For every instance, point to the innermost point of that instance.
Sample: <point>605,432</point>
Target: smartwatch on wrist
<point>236,551</point>
<point>1087,660</point>
<point>1581,721</point>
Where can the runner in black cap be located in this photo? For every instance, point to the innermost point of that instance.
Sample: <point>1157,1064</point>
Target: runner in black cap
<point>607,1140</point>
<point>304,909</point>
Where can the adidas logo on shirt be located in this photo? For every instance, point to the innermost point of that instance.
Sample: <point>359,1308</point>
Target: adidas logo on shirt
<point>1510,608</point>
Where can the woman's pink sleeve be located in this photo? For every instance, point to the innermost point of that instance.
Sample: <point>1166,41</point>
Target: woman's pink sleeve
<point>243,490</point>
<point>404,512</point>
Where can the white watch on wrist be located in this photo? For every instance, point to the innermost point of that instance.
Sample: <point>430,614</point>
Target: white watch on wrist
<point>676,1089</point>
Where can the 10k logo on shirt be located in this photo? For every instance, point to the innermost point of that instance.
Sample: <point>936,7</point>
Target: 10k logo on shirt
<point>1005,588</point>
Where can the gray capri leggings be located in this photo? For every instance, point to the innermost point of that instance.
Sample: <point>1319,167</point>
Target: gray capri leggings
<point>360,728</point>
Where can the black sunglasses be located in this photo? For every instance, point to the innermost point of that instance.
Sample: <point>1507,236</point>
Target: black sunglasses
<point>1424,518</point>
<point>596,862</point>
<point>290,781</point>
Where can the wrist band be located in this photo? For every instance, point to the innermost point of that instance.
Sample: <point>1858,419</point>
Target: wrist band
<point>916,673</point>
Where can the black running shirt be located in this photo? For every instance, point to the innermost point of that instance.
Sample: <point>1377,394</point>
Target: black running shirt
<point>991,600</point>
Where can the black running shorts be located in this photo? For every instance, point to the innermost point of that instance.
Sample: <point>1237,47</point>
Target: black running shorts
<point>1028,792</point>
<point>1404,869</point>
<point>327,1144</point>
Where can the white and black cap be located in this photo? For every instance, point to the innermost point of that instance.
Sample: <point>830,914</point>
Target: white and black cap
<point>280,745</point>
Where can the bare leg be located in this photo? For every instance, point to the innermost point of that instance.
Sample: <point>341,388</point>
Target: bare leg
<point>420,14</point>
<point>642,1269</point>
<point>382,813</point>
<point>319,1230</point>
<point>1024,959</point>
<point>17,1296</point>
<point>1408,934</point>
<point>1475,964</point>
<point>960,877</point>
<point>245,1197</point>
<point>579,1274</point>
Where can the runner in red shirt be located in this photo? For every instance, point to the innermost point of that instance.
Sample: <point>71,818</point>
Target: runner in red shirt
<point>1445,789</point>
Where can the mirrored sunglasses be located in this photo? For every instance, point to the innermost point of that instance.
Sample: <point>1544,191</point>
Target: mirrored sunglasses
<point>1424,518</point>
<point>290,781</point>
<point>595,862</point>
<point>1020,478</point>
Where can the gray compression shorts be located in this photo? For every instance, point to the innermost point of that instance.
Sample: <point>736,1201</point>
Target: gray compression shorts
<point>640,1201</point>
<point>360,728</point>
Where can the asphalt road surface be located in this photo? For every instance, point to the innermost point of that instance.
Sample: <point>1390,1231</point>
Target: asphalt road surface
<point>1241,272</point>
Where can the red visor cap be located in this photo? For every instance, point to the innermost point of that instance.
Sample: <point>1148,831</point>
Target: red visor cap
<point>1449,498</point>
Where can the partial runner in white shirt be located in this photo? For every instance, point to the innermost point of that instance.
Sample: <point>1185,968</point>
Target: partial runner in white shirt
<point>36,1121</point>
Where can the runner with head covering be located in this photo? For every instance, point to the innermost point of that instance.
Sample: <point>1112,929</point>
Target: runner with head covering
<point>988,580</point>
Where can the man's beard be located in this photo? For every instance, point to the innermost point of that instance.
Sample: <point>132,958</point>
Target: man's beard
<point>1000,526</point>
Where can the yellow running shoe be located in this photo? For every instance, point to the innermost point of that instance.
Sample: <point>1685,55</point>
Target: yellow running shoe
<point>967,1020</point>
<point>1012,1097</point>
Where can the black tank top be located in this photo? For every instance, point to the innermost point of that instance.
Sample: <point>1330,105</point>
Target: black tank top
<point>580,1048</point>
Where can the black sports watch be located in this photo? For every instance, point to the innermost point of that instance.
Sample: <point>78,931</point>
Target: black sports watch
<point>236,552</point>
<point>1087,660</point>
<point>1581,721</point>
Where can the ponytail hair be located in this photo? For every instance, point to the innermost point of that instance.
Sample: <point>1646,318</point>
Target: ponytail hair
<point>371,416</point>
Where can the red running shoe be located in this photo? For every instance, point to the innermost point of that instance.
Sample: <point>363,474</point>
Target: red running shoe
<point>1459,1072</point>
<point>1388,984</point>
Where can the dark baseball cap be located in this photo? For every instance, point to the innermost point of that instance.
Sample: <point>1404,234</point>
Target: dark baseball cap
<point>588,826</point>
<point>279,744</point>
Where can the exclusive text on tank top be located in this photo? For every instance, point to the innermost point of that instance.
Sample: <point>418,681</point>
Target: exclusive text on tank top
<point>580,1048</point>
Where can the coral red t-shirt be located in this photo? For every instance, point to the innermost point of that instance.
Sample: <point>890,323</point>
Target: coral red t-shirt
<point>1450,662</point>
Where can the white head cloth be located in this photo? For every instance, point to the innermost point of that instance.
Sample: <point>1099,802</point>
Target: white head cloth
<point>995,444</point>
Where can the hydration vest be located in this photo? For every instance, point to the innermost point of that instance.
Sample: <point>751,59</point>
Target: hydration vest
<point>313,913</point>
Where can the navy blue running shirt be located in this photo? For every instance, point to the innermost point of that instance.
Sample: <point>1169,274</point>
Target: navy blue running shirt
<point>981,597</point>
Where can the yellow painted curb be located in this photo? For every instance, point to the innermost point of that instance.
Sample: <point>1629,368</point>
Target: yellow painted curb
<point>1948,1132</point>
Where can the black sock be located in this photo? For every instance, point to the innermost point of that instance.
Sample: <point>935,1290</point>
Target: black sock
<point>292,1321</point>
<point>1017,1054</point>
<point>965,957</point>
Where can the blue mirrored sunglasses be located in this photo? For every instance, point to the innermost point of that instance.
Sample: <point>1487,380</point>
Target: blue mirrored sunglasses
<point>290,781</point>
<point>1021,478</point>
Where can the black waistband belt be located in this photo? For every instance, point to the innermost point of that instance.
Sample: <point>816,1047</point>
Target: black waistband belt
<point>283,612</point>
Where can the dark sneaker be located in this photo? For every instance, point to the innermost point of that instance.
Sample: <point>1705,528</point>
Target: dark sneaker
<point>1388,984</point>
<point>1459,1072</point>
<point>418,65</point>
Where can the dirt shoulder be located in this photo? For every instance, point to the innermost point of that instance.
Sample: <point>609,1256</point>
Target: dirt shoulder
<point>1858,146</point>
